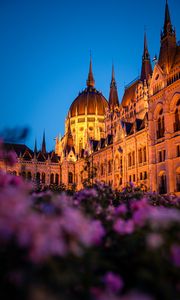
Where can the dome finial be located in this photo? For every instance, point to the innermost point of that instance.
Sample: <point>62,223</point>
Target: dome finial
<point>90,81</point>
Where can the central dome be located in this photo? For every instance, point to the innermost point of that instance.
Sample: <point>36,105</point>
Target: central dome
<point>90,101</point>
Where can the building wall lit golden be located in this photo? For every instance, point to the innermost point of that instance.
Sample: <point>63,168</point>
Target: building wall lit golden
<point>135,141</point>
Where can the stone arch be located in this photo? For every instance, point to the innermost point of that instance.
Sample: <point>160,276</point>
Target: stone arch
<point>162,182</point>
<point>52,178</point>
<point>43,177</point>
<point>157,110</point>
<point>174,101</point>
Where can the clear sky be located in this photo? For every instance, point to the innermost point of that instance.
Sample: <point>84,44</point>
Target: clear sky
<point>45,49</point>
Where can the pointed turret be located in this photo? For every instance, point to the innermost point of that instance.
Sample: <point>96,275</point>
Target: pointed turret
<point>69,144</point>
<point>168,43</point>
<point>146,69</point>
<point>43,149</point>
<point>113,95</point>
<point>90,81</point>
<point>167,21</point>
<point>35,147</point>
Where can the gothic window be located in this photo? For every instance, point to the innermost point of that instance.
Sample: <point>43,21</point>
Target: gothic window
<point>23,174</point>
<point>56,179</point>
<point>162,184</point>
<point>38,177</point>
<point>177,117</point>
<point>160,156</point>
<point>178,181</point>
<point>43,177</point>
<point>29,176</point>
<point>144,154</point>
<point>141,177</point>
<point>134,177</point>
<point>160,125</point>
<point>102,169</point>
<point>129,160</point>
<point>129,178</point>
<point>140,155</point>
<point>109,166</point>
<point>145,175</point>
<point>52,178</point>
<point>178,150</point>
<point>133,158</point>
<point>70,177</point>
<point>116,163</point>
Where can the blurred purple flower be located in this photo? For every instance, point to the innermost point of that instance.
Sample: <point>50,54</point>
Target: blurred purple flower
<point>124,227</point>
<point>175,254</point>
<point>11,158</point>
<point>113,282</point>
<point>121,209</point>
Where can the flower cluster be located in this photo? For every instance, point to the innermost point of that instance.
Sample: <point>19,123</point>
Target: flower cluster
<point>96,244</point>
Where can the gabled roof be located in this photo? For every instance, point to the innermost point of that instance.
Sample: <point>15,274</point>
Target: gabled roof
<point>129,93</point>
<point>18,148</point>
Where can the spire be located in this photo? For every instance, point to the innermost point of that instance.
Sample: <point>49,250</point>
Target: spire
<point>168,43</point>
<point>43,149</point>
<point>90,81</point>
<point>113,95</point>
<point>69,144</point>
<point>167,20</point>
<point>146,68</point>
<point>35,147</point>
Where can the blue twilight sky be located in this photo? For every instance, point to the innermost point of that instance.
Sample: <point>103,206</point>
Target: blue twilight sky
<point>44,54</point>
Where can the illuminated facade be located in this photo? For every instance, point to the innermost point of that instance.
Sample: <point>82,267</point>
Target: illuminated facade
<point>135,141</point>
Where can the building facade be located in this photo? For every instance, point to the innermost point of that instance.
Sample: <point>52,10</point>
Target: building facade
<point>137,140</point>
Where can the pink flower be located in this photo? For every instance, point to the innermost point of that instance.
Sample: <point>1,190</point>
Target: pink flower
<point>97,232</point>
<point>124,227</point>
<point>121,209</point>
<point>113,282</point>
<point>175,255</point>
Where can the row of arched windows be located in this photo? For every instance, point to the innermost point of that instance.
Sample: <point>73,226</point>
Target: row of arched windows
<point>38,177</point>
<point>161,123</point>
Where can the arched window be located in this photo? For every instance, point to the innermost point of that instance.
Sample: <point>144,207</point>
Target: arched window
<point>29,176</point>
<point>43,177</point>
<point>133,158</point>
<point>52,178</point>
<point>177,117</point>
<point>162,184</point>
<point>109,166</point>
<point>38,177</point>
<point>129,160</point>
<point>23,174</point>
<point>102,169</point>
<point>160,125</point>
<point>57,178</point>
<point>144,154</point>
<point>140,155</point>
<point>178,181</point>
<point>70,177</point>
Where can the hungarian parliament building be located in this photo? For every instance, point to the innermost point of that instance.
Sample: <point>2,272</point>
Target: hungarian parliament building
<point>134,140</point>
